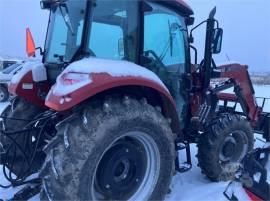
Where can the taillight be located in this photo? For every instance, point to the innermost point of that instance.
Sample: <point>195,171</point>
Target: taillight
<point>73,78</point>
<point>69,82</point>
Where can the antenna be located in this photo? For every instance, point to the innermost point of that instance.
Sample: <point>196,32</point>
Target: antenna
<point>213,13</point>
<point>228,58</point>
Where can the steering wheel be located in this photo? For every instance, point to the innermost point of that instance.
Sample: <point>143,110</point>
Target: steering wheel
<point>156,57</point>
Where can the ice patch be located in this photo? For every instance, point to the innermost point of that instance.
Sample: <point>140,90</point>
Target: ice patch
<point>93,65</point>
<point>257,176</point>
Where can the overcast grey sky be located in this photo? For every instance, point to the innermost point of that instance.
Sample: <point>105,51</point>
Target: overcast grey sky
<point>246,25</point>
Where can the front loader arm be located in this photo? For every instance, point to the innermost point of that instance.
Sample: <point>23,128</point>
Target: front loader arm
<point>243,88</point>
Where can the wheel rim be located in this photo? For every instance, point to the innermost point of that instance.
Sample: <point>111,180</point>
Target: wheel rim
<point>234,147</point>
<point>128,169</point>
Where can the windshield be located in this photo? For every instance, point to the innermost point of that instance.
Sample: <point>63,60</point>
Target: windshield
<point>65,31</point>
<point>111,30</point>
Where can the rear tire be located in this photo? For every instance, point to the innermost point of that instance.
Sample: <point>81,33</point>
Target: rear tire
<point>4,94</point>
<point>123,150</point>
<point>20,109</point>
<point>223,145</point>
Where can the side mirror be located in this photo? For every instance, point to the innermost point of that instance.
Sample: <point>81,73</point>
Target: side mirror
<point>217,41</point>
<point>49,4</point>
<point>45,4</point>
<point>30,44</point>
<point>189,21</point>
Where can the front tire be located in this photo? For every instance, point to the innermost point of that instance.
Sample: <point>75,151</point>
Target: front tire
<point>123,150</point>
<point>223,145</point>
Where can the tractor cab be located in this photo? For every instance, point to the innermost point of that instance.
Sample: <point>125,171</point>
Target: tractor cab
<point>152,34</point>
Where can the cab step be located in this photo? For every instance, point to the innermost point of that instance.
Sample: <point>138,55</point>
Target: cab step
<point>186,166</point>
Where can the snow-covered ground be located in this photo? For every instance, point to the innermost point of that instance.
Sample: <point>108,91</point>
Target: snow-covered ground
<point>187,186</point>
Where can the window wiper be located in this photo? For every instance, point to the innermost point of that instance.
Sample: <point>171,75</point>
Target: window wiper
<point>65,15</point>
<point>170,44</point>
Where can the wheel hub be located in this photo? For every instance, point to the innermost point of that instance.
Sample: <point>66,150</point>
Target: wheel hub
<point>234,147</point>
<point>128,169</point>
<point>121,170</point>
<point>229,148</point>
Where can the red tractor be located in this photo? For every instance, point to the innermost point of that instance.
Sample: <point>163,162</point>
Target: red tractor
<point>116,96</point>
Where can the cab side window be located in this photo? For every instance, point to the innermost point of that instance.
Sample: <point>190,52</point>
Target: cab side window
<point>164,51</point>
<point>164,39</point>
<point>105,48</point>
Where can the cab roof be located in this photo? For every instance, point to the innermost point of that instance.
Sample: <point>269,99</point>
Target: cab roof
<point>177,5</point>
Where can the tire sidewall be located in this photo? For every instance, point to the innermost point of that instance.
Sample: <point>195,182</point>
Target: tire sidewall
<point>229,130</point>
<point>210,145</point>
<point>122,127</point>
<point>241,128</point>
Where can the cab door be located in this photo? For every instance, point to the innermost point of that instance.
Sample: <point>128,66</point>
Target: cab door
<point>164,50</point>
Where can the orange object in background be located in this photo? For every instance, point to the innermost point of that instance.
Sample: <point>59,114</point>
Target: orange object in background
<point>30,44</point>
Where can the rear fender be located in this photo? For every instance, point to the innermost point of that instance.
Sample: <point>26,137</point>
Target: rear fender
<point>67,93</point>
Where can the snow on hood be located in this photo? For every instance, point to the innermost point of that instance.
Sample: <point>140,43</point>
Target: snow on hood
<point>95,65</point>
